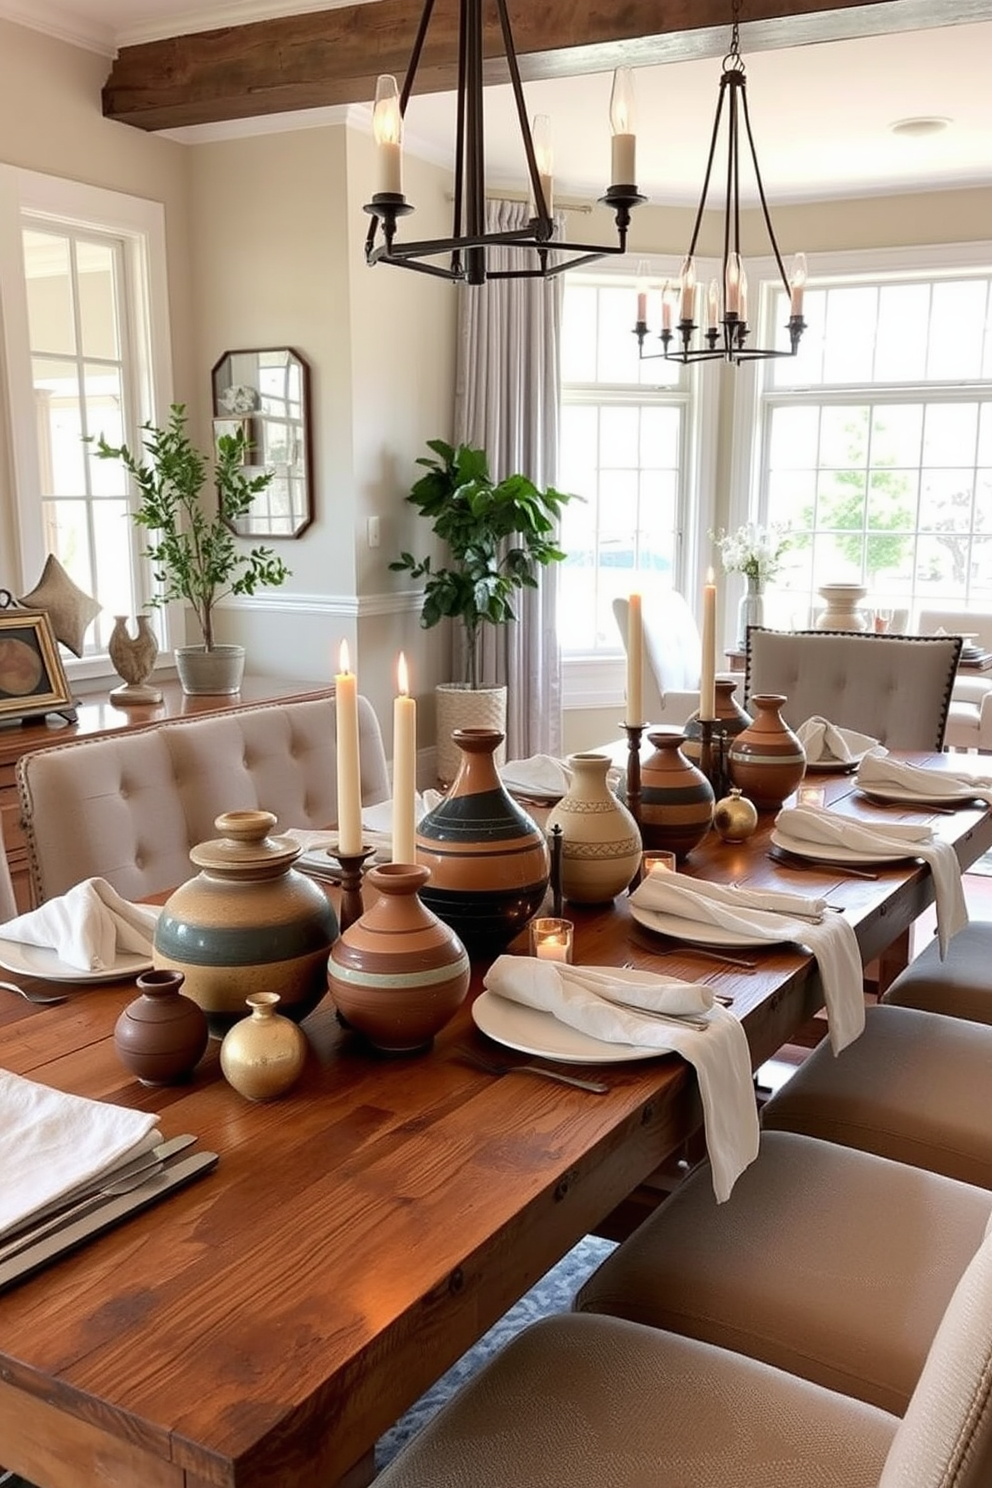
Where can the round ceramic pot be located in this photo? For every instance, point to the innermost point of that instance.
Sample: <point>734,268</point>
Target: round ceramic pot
<point>398,974</point>
<point>601,843</point>
<point>735,818</point>
<point>263,1055</point>
<point>488,859</point>
<point>842,611</point>
<point>248,922</point>
<point>676,798</point>
<point>767,760</point>
<point>161,1035</point>
<point>730,720</point>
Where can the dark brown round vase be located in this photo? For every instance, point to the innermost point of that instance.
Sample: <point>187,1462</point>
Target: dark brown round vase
<point>676,797</point>
<point>248,922</point>
<point>161,1035</point>
<point>488,859</point>
<point>767,760</point>
<point>730,720</point>
<point>398,974</point>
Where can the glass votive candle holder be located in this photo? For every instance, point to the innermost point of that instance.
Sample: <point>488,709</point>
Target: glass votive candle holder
<point>811,795</point>
<point>659,859</point>
<point>551,939</point>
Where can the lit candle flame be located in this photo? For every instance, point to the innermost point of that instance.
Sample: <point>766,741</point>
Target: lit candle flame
<point>402,676</point>
<point>344,660</point>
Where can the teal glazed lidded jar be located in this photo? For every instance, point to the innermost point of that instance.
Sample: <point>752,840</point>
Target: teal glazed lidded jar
<point>248,922</point>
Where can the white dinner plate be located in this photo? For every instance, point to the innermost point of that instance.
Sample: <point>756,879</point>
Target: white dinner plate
<point>903,797</point>
<point>530,1031</point>
<point>41,961</point>
<point>835,766</point>
<point>818,852</point>
<point>694,933</point>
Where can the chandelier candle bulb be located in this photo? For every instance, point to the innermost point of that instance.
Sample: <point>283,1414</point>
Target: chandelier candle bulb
<point>623,170</point>
<point>387,130</point>
<point>545,156</point>
<point>349,780</point>
<point>687,280</point>
<point>404,769</point>
<point>732,285</point>
<point>742,302</point>
<point>643,270</point>
<point>797,284</point>
<point>635,644</point>
<point>666,307</point>
<point>707,683</point>
<point>713,306</point>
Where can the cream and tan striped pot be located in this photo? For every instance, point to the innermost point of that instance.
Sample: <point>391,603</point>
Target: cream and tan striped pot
<point>600,841</point>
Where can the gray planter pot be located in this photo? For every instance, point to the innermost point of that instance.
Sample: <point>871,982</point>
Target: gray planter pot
<point>218,671</point>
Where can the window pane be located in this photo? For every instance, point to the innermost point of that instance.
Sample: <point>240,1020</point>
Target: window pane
<point>901,353</point>
<point>794,438</point>
<point>896,434</point>
<point>49,293</point>
<point>849,348</point>
<point>950,433</point>
<point>578,333</point>
<point>957,327</point>
<point>98,301</point>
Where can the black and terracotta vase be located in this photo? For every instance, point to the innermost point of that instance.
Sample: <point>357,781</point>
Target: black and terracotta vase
<point>676,798</point>
<point>730,720</point>
<point>161,1035</point>
<point>488,859</point>
<point>766,760</point>
<point>398,974</point>
<point>247,922</point>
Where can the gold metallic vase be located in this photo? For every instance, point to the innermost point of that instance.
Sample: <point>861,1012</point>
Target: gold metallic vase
<point>262,1056</point>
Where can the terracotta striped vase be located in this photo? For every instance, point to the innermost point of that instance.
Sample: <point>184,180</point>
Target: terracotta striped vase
<point>767,760</point>
<point>398,974</point>
<point>676,798</point>
<point>488,859</point>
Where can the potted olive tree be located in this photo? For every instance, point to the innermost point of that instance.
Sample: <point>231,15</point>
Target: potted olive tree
<point>497,534</point>
<point>193,549</point>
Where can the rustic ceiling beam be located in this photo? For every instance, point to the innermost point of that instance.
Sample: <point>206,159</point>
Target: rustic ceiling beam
<point>334,56</point>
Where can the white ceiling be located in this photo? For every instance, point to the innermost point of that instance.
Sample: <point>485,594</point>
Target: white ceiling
<point>821,114</point>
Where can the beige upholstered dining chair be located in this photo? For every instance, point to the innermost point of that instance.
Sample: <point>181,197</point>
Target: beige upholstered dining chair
<point>128,806</point>
<point>969,718</point>
<point>672,655</point>
<point>584,1401</point>
<point>8,904</point>
<point>895,688</point>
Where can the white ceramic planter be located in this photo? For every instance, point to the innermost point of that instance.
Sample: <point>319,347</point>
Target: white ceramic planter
<point>203,673</point>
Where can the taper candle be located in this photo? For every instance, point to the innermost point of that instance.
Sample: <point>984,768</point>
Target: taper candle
<point>349,775</point>
<point>404,769</point>
<point>707,682</point>
<point>635,643</point>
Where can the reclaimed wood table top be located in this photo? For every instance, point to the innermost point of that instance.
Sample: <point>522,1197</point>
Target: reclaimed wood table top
<point>269,1322</point>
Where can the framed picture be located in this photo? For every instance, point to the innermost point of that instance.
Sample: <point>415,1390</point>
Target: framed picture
<point>32,678</point>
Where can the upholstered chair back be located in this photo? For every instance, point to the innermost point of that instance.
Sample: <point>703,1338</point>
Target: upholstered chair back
<point>672,655</point>
<point>8,905</point>
<point>945,1438</point>
<point>896,688</point>
<point>129,806</point>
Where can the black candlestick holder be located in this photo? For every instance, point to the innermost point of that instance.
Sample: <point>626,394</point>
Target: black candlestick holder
<point>633,791</point>
<point>352,868</point>
<point>555,836</point>
<point>713,755</point>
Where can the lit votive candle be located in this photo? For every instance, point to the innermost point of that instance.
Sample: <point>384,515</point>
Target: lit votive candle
<point>811,795</point>
<point>551,939</point>
<point>657,859</point>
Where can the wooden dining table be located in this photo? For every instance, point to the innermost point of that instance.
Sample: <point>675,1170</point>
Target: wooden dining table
<point>267,1323</point>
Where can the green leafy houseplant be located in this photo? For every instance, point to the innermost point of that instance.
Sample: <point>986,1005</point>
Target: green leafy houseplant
<point>497,533</point>
<point>195,554</point>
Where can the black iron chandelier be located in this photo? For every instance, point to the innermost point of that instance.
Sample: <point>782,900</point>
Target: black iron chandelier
<point>467,249</point>
<point>722,320</point>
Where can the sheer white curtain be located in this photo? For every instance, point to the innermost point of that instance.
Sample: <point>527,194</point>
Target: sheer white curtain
<point>506,402</point>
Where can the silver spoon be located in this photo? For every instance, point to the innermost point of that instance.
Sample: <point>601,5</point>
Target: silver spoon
<point>40,999</point>
<point>493,1068</point>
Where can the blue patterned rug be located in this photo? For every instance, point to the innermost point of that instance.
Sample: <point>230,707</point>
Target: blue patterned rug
<point>553,1293</point>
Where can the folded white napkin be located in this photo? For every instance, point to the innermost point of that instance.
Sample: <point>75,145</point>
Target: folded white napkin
<point>377,831</point>
<point>770,915</point>
<point>882,772</point>
<point>581,997</point>
<point>828,829</point>
<point>51,1142</point>
<point>824,742</point>
<point>540,774</point>
<point>87,927</point>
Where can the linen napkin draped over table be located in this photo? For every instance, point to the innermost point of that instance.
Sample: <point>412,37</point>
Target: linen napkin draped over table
<point>772,916</point>
<point>584,998</point>
<point>825,743</point>
<point>50,1143</point>
<point>88,927</point>
<point>829,829</point>
<point>881,772</point>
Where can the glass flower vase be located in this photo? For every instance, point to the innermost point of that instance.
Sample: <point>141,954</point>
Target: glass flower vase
<point>750,610</point>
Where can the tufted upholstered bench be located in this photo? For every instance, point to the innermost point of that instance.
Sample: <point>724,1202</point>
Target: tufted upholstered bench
<point>895,688</point>
<point>128,807</point>
<point>596,1402</point>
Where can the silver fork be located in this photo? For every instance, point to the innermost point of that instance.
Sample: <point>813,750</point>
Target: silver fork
<point>493,1067</point>
<point>40,999</point>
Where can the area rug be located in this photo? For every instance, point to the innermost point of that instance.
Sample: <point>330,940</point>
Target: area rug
<point>553,1293</point>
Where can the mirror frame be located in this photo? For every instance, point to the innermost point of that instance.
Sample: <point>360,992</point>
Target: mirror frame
<point>240,396</point>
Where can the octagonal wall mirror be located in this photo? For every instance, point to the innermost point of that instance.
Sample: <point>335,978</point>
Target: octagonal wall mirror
<point>267,392</point>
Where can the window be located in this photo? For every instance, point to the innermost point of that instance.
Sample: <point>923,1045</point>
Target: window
<point>629,449</point>
<point>876,441</point>
<point>83,305</point>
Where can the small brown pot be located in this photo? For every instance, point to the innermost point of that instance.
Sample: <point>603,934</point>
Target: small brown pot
<point>676,797</point>
<point>161,1035</point>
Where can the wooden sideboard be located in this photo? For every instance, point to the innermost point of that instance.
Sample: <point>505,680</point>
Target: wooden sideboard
<point>97,715</point>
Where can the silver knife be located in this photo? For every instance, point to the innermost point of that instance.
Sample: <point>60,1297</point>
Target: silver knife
<point>129,1173</point>
<point>106,1213</point>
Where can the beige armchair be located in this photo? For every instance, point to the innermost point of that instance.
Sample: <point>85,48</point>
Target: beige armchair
<point>969,718</point>
<point>672,656</point>
<point>585,1402</point>
<point>129,806</point>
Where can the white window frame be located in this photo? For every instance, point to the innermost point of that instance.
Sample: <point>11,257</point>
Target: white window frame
<point>748,495</point>
<point>140,224</point>
<point>597,679</point>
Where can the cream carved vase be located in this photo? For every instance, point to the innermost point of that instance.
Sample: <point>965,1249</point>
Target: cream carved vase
<point>600,841</point>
